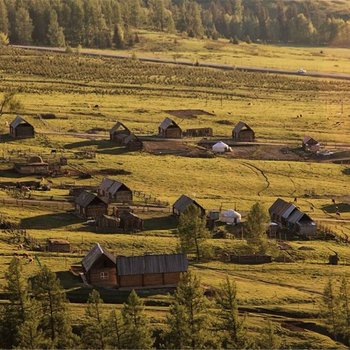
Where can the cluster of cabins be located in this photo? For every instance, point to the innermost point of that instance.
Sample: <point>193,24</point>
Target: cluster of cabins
<point>103,269</point>
<point>113,196</point>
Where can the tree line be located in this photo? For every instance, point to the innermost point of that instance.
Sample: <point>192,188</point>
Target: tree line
<point>37,317</point>
<point>114,23</point>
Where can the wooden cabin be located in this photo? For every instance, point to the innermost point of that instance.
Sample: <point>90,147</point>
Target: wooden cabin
<point>310,144</point>
<point>183,203</point>
<point>150,270</point>
<point>108,223</point>
<point>289,217</point>
<point>133,143</point>
<point>130,222</point>
<point>21,129</point>
<point>242,132</point>
<point>99,267</point>
<point>169,129</point>
<point>34,166</point>
<point>118,133</point>
<point>58,245</point>
<point>89,205</point>
<point>199,132</point>
<point>114,191</point>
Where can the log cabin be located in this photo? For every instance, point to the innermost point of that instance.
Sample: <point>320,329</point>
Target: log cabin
<point>89,205</point>
<point>242,132</point>
<point>21,129</point>
<point>170,129</point>
<point>113,191</point>
<point>183,202</point>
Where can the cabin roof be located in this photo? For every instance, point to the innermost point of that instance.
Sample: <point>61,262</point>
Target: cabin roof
<point>183,202</point>
<point>112,186</point>
<point>94,254</point>
<point>167,122</point>
<point>308,140</point>
<point>86,197</point>
<point>240,125</point>
<point>119,125</point>
<point>162,263</point>
<point>17,121</point>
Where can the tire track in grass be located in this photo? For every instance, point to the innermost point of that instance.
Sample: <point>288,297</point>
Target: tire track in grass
<point>259,172</point>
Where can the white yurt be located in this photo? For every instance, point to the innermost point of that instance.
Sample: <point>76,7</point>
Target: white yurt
<point>230,217</point>
<point>221,147</point>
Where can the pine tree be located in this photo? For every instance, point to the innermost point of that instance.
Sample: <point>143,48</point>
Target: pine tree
<point>269,339</point>
<point>188,322</point>
<point>192,230</point>
<point>94,331</point>
<point>23,27</point>
<point>137,333</point>
<point>55,321</point>
<point>118,37</point>
<point>255,228</point>
<point>229,321</point>
<point>330,308</point>
<point>4,23</point>
<point>55,33</point>
<point>344,307</point>
<point>115,330</point>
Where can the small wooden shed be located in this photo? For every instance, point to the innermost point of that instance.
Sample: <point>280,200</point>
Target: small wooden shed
<point>169,129</point>
<point>133,143</point>
<point>183,202</point>
<point>89,205</point>
<point>108,223</point>
<point>242,132</point>
<point>310,144</point>
<point>118,133</point>
<point>58,245</point>
<point>130,222</point>
<point>21,129</point>
<point>150,270</point>
<point>114,191</point>
<point>99,267</point>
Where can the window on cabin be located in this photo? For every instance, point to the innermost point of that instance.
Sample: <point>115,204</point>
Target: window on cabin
<point>103,275</point>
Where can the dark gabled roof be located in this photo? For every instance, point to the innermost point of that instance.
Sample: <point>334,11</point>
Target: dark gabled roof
<point>240,125</point>
<point>94,254</point>
<point>279,207</point>
<point>166,123</point>
<point>131,138</point>
<point>308,140</point>
<point>86,197</point>
<point>163,263</point>
<point>119,125</point>
<point>184,202</point>
<point>112,186</point>
<point>17,121</point>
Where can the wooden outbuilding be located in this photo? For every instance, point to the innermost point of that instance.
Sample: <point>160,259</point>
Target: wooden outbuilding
<point>150,270</point>
<point>133,143</point>
<point>199,132</point>
<point>183,203</point>
<point>130,222</point>
<point>34,166</point>
<point>242,132</point>
<point>58,245</point>
<point>99,267</point>
<point>170,129</point>
<point>108,223</point>
<point>118,133</point>
<point>310,144</point>
<point>89,205</point>
<point>288,216</point>
<point>114,191</point>
<point>21,129</point>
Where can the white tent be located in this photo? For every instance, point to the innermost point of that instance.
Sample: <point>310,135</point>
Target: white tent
<point>221,147</point>
<point>230,216</point>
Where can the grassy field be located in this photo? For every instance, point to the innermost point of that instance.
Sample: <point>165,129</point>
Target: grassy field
<point>139,94</point>
<point>176,47</point>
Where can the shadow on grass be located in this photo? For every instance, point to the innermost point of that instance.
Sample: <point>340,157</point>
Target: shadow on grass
<point>334,208</point>
<point>346,171</point>
<point>6,138</point>
<point>103,146</point>
<point>49,221</point>
<point>168,222</point>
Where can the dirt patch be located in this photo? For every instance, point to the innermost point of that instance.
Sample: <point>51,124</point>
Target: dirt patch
<point>188,113</point>
<point>113,172</point>
<point>95,130</point>
<point>224,122</point>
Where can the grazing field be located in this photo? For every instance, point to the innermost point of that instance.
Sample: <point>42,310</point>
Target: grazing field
<point>89,95</point>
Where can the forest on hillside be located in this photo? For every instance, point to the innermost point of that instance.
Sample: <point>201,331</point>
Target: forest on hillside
<point>115,23</point>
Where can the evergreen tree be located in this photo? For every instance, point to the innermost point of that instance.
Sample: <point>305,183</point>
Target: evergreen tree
<point>55,321</point>
<point>55,33</point>
<point>23,27</point>
<point>137,333</point>
<point>94,334</point>
<point>344,307</point>
<point>115,330</point>
<point>234,336</point>
<point>269,339</point>
<point>192,230</point>
<point>188,321</point>
<point>4,25</point>
<point>255,228</point>
<point>118,37</point>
